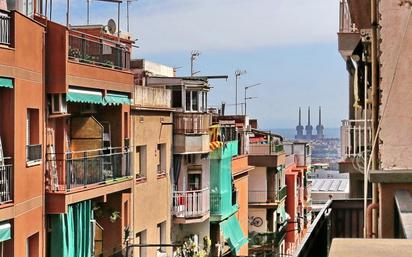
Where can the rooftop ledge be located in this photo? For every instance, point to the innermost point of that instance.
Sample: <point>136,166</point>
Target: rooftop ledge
<point>390,176</point>
<point>370,247</point>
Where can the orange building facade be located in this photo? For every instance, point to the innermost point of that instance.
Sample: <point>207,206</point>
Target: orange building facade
<point>22,145</point>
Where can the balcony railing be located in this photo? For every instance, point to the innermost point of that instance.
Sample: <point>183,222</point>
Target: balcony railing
<point>5,35</point>
<point>282,193</point>
<point>191,204</point>
<point>98,51</point>
<point>265,149</point>
<point>272,239</point>
<point>353,134</point>
<point>152,97</point>
<point>256,196</point>
<point>6,183</point>
<point>191,123</point>
<point>345,21</point>
<point>81,169</point>
<point>33,153</point>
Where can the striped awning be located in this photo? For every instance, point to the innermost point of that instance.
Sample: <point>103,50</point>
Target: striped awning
<point>5,232</point>
<point>84,96</point>
<point>6,82</point>
<point>117,99</point>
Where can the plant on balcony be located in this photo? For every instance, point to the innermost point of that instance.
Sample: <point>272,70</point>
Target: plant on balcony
<point>101,211</point>
<point>87,59</point>
<point>108,64</point>
<point>74,53</point>
<point>190,249</point>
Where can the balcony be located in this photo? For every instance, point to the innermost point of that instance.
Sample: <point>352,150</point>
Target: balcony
<point>222,206</point>
<point>6,183</point>
<point>282,193</point>
<point>79,176</point>
<point>353,135</point>
<point>5,28</point>
<point>266,155</point>
<point>240,164</point>
<point>348,35</point>
<point>149,97</point>
<point>267,241</point>
<point>261,196</point>
<point>191,206</point>
<point>93,50</point>
<point>191,133</point>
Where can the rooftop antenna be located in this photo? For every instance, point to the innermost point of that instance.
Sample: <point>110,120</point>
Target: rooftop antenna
<point>193,56</point>
<point>127,13</point>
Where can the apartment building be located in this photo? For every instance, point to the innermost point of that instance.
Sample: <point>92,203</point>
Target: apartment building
<point>22,142</point>
<point>190,202</point>
<point>267,194</point>
<point>152,128</point>
<point>240,172</point>
<point>226,233</point>
<point>298,200</point>
<point>89,87</point>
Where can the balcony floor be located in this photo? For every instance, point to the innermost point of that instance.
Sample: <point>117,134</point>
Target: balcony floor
<point>57,202</point>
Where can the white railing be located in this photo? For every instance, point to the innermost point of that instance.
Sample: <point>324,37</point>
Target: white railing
<point>345,21</point>
<point>191,204</point>
<point>352,138</point>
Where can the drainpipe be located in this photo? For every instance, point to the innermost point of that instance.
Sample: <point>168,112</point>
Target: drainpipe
<point>375,110</point>
<point>371,207</point>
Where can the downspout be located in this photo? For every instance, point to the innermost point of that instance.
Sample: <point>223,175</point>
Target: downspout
<point>375,111</point>
<point>371,208</point>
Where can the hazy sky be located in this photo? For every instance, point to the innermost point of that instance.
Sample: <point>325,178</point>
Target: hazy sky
<point>290,46</point>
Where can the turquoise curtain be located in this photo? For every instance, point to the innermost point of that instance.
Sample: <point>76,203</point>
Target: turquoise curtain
<point>71,233</point>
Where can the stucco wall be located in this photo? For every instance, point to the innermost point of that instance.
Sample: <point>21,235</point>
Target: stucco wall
<point>257,179</point>
<point>152,196</point>
<point>395,71</point>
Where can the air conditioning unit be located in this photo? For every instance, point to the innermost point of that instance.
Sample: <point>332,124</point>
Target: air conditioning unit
<point>58,104</point>
<point>88,108</point>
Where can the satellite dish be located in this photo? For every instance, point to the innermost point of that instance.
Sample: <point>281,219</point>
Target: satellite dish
<point>111,25</point>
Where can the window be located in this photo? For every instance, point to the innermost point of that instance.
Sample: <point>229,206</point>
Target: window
<point>141,238</point>
<point>177,98</point>
<point>140,161</point>
<point>194,180</point>
<point>33,146</point>
<point>161,230</point>
<point>190,159</point>
<point>32,246</point>
<point>195,101</point>
<point>161,158</point>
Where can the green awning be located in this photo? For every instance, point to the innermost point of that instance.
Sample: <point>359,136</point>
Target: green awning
<point>284,216</point>
<point>116,99</point>
<point>233,233</point>
<point>84,96</point>
<point>5,232</point>
<point>6,82</point>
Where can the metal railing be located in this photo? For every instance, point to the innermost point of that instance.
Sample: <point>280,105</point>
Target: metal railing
<point>98,51</point>
<point>282,193</point>
<point>267,238</point>
<point>265,149</point>
<point>261,196</point>
<point>5,28</point>
<point>191,123</point>
<point>353,134</point>
<point>345,21</point>
<point>33,153</point>
<point>80,169</point>
<point>6,183</point>
<point>190,204</point>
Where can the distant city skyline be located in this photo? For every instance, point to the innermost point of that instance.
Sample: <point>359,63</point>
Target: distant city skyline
<point>296,60</point>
